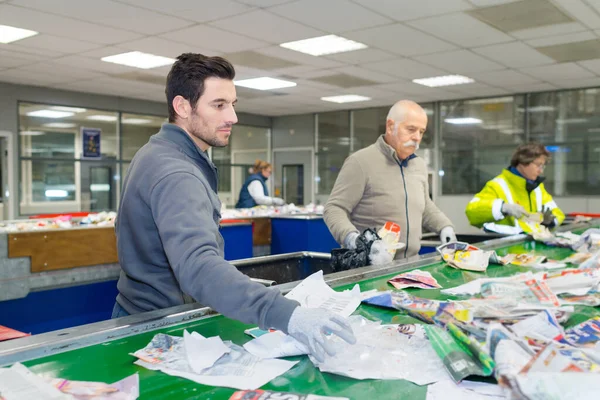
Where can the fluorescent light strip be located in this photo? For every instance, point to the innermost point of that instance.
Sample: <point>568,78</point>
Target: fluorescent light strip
<point>463,121</point>
<point>137,59</point>
<point>106,118</point>
<point>135,121</point>
<point>100,187</point>
<point>69,109</point>
<point>32,133</point>
<point>446,80</point>
<point>264,83</point>
<point>347,98</point>
<point>9,34</point>
<point>536,109</point>
<point>493,100</point>
<point>56,193</point>
<point>50,114</point>
<point>322,45</point>
<point>59,125</point>
<point>572,121</point>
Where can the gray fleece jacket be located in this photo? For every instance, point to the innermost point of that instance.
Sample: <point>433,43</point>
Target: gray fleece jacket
<point>168,240</point>
<point>373,187</point>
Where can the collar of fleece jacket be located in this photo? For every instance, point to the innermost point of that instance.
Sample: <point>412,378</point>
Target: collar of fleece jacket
<point>389,152</point>
<point>519,180</point>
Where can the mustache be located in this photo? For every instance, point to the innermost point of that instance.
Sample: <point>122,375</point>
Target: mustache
<point>411,143</point>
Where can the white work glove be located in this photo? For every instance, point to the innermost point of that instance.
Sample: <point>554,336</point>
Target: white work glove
<point>447,235</point>
<point>310,326</point>
<point>277,201</point>
<point>379,254</point>
<point>350,240</point>
<point>514,210</point>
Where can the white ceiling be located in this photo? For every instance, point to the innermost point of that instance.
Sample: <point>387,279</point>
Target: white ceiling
<point>407,39</point>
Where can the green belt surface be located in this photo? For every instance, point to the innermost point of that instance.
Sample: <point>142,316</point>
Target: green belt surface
<point>110,361</point>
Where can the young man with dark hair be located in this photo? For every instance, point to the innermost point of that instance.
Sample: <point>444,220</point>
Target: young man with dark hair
<point>516,192</point>
<point>169,245</point>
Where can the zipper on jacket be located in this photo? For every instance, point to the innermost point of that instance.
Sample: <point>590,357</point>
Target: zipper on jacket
<point>406,205</point>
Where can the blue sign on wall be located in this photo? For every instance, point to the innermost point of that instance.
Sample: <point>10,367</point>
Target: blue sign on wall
<point>90,139</point>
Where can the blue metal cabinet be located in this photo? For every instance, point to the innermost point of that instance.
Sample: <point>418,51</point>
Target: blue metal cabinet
<point>300,233</point>
<point>238,240</point>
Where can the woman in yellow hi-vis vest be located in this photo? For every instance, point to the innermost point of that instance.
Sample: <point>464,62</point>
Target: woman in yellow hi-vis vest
<point>516,192</point>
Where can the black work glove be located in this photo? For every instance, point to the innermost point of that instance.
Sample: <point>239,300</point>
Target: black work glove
<point>345,259</point>
<point>548,218</point>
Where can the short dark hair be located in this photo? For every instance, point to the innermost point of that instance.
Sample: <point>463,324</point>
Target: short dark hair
<point>527,153</point>
<point>187,76</point>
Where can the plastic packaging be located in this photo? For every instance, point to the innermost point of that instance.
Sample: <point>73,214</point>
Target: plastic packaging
<point>390,235</point>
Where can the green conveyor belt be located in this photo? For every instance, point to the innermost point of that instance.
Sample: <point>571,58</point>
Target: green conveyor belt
<point>110,361</point>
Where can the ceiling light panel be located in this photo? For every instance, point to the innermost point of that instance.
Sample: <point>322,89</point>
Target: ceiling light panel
<point>59,125</point>
<point>106,118</point>
<point>323,45</point>
<point>463,121</point>
<point>50,114</point>
<point>69,109</point>
<point>347,98</point>
<point>137,59</point>
<point>446,80</point>
<point>135,121</point>
<point>32,133</point>
<point>9,34</point>
<point>264,83</point>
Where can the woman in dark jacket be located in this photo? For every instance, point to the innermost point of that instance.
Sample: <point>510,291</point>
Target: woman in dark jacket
<point>254,192</point>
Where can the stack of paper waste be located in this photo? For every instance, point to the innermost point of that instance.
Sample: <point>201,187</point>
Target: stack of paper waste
<point>271,211</point>
<point>512,328</point>
<point>312,292</point>
<point>465,256</point>
<point>381,352</point>
<point>19,383</point>
<point>517,329</point>
<point>417,279</point>
<point>209,361</point>
<point>61,222</point>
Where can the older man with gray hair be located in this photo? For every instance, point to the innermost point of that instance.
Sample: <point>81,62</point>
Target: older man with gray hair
<point>388,182</point>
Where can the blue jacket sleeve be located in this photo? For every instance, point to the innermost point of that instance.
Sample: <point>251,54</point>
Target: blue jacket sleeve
<point>184,216</point>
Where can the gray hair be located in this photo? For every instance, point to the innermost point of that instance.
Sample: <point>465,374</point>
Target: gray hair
<point>398,111</point>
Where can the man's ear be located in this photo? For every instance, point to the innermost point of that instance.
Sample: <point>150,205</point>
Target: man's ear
<point>389,126</point>
<point>182,107</point>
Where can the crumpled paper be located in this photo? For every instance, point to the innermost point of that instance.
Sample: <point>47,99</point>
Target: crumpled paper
<point>465,256</point>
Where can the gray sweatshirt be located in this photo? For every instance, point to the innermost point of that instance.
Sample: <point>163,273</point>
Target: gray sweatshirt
<point>168,239</point>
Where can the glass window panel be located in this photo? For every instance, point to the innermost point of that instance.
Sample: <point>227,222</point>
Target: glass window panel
<point>478,138</point>
<point>51,181</point>
<point>37,120</point>
<point>333,147</point>
<point>567,124</point>
<point>98,185</point>
<point>50,150</point>
<point>136,130</point>
<point>368,125</point>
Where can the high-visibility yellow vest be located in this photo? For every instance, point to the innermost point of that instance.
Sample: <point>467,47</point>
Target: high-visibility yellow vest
<point>485,209</point>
